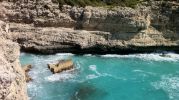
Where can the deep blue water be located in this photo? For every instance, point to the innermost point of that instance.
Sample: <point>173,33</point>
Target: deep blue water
<point>105,77</point>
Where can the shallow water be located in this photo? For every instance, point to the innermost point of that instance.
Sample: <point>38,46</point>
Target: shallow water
<point>105,77</point>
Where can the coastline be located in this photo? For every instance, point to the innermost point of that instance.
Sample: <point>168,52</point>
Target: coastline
<point>151,27</point>
<point>121,51</point>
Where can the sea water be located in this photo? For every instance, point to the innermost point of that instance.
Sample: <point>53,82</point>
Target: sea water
<point>105,77</point>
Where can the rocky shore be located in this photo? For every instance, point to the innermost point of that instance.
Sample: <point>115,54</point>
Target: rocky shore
<point>40,26</point>
<point>12,79</point>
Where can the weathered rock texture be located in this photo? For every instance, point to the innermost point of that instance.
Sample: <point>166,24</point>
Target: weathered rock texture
<point>62,65</point>
<point>26,69</point>
<point>12,80</point>
<point>41,26</point>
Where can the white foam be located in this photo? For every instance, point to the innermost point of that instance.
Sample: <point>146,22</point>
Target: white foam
<point>112,76</point>
<point>144,72</point>
<point>92,67</point>
<point>170,85</point>
<point>64,54</point>
<point>151,56</point>
<point>88,55</point>
<point>60,77</point>
<point>22,54</point>
<point>29,98</point>
<point>137,70</point>
<point>33,89</point>
<point>91,76</point>
<point>98,74</point>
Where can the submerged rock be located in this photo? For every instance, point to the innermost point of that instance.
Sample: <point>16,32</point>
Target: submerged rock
<point>26,69</point>
<point>61,66</point>
<point>85,91</point>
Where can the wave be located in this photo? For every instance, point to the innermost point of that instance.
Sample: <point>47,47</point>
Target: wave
<point>33,89</point>
<point>88,55</point>
<point>92,76</point>
<point>92,67</point>
<point>66,75</point>
<point>141,71</point>
<point>170,84</point>
<point>98,74</point>
<point>22,54</point>
<point>64,54</point>
<point>59,77</point>
<point>151,56</point>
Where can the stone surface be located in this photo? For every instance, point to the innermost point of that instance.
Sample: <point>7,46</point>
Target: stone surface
<point>43,27</point>
<point>62,65</point>
<point>26,69</point>
<point>12,79</point>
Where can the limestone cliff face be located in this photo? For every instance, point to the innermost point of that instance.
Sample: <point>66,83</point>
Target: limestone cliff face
<point>150,24</point>
<point>12,80</point>
<point>43,26</point>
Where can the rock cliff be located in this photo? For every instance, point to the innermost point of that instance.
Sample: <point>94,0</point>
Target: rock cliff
<point>12,80</point>
<point>41,26</point>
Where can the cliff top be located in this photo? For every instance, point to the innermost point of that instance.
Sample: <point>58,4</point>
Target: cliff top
<point>111,3</point>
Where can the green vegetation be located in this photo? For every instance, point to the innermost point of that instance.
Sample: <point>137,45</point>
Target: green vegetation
<point>83,3</point>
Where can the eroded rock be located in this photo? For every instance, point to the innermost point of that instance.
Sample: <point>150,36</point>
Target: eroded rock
<point>12,78</point>
<point>44,28</point>
<point>26,69</point>
<point>62,65</point>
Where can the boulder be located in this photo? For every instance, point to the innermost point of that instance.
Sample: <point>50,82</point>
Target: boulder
<point>61,66</point>
<point>26,69</point>
<point>28,78</point>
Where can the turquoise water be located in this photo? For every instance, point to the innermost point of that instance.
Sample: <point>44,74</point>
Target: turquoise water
<point>105,77</point>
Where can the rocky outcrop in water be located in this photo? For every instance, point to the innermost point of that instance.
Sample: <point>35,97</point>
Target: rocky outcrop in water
<point>26,69</point>
<point>62,65</point>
